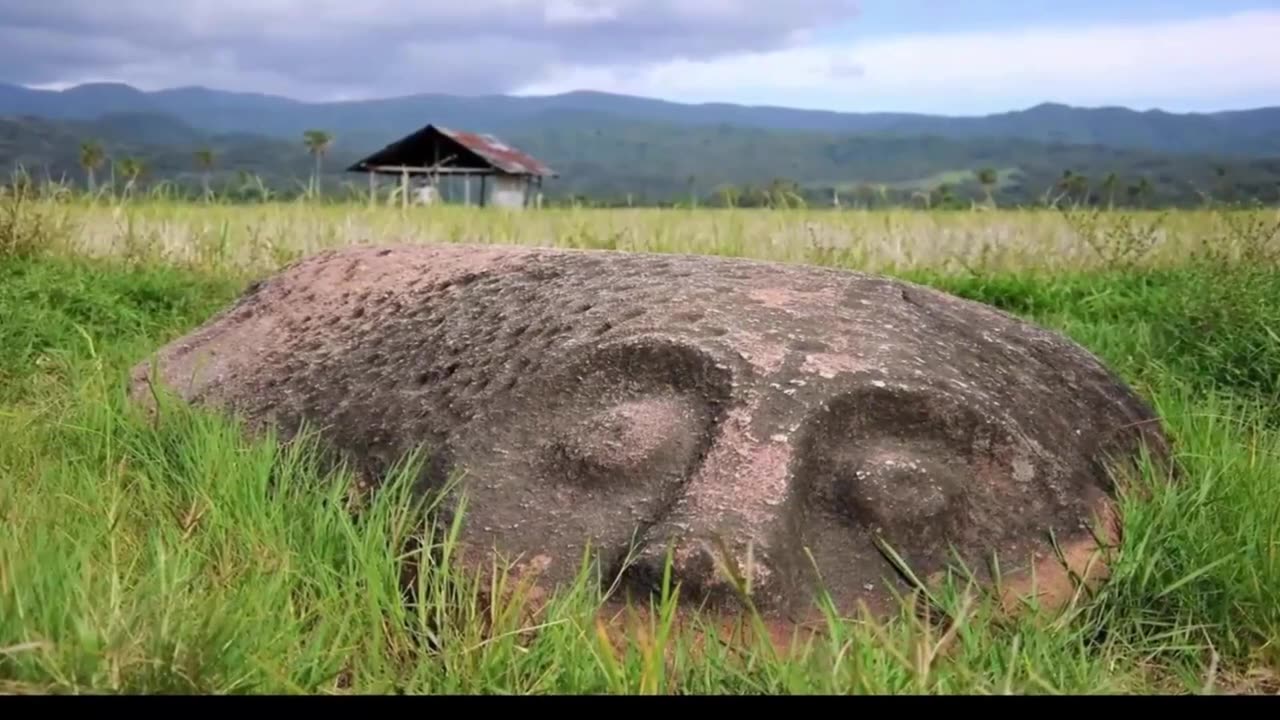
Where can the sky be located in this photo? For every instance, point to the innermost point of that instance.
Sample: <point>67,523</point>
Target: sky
<point>937,56</point>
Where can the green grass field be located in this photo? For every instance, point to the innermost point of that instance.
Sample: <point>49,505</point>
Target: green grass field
<point>175,555</point>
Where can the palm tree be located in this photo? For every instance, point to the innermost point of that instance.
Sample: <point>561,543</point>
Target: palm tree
<point>1077,185</point>
<point>318,143</point>
<point>945,198</point>
<point>1109,183</point>
<point>204,161</point>
<point>132,169</point>
<point>866,192</point>
<point>730,195</point>
<point>91,158</point>
<point>784,193</point>
<point>987,178</point>
<point>1140,190</point>
<point>1144,189</point>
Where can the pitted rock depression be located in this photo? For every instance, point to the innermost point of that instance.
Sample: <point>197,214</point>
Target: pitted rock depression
<point>793,415</point>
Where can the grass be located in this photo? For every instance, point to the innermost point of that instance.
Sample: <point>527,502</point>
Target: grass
<point>252,238</point>
<point>177,555</point>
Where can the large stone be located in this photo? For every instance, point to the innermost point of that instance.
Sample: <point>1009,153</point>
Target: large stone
<point>803,419</point>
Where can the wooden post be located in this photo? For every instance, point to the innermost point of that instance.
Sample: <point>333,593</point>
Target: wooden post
<point>483,195</point>
<point>404,189</point>
<point>466,190</point>
<point>373,190</point>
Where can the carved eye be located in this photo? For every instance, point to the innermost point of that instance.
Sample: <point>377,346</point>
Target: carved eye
<point>654,438</point>
<point>894,486</point>
<point>894,461</point>
<point>643,411</point>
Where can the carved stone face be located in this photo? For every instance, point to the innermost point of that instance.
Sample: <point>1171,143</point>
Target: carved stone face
<point>798,418</point>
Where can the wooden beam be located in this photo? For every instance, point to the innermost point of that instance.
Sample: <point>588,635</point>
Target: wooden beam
<point>419,170</point>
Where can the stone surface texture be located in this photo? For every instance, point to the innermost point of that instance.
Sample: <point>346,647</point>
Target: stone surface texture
<point>790,415</point>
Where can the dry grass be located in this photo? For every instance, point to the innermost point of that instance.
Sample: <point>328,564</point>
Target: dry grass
<point>255,237</point>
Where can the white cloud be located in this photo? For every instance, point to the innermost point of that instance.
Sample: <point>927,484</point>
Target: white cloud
<point>1208,60</point>
<point>577,12</point>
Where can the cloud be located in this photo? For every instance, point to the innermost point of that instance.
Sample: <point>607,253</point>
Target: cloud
<point>322,48</point>
<point>1208,61</point>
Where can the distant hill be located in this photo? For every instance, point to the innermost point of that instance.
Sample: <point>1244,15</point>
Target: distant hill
<point>1247,133</point>
<point>606,159</point>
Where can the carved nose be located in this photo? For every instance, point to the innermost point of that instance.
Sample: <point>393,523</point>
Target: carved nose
<point>704,571</point>
<point>725,537</point>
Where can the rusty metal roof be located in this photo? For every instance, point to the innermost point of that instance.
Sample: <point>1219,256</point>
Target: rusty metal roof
<point>497,153</point>
<point>422,147</point>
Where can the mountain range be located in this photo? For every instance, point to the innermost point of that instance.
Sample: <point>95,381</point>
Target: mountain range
<point>607,146</point>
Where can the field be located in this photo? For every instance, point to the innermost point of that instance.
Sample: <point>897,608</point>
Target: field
<point>151,557</point>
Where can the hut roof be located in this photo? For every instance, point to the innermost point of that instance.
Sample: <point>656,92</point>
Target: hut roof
<point>456,149</point>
